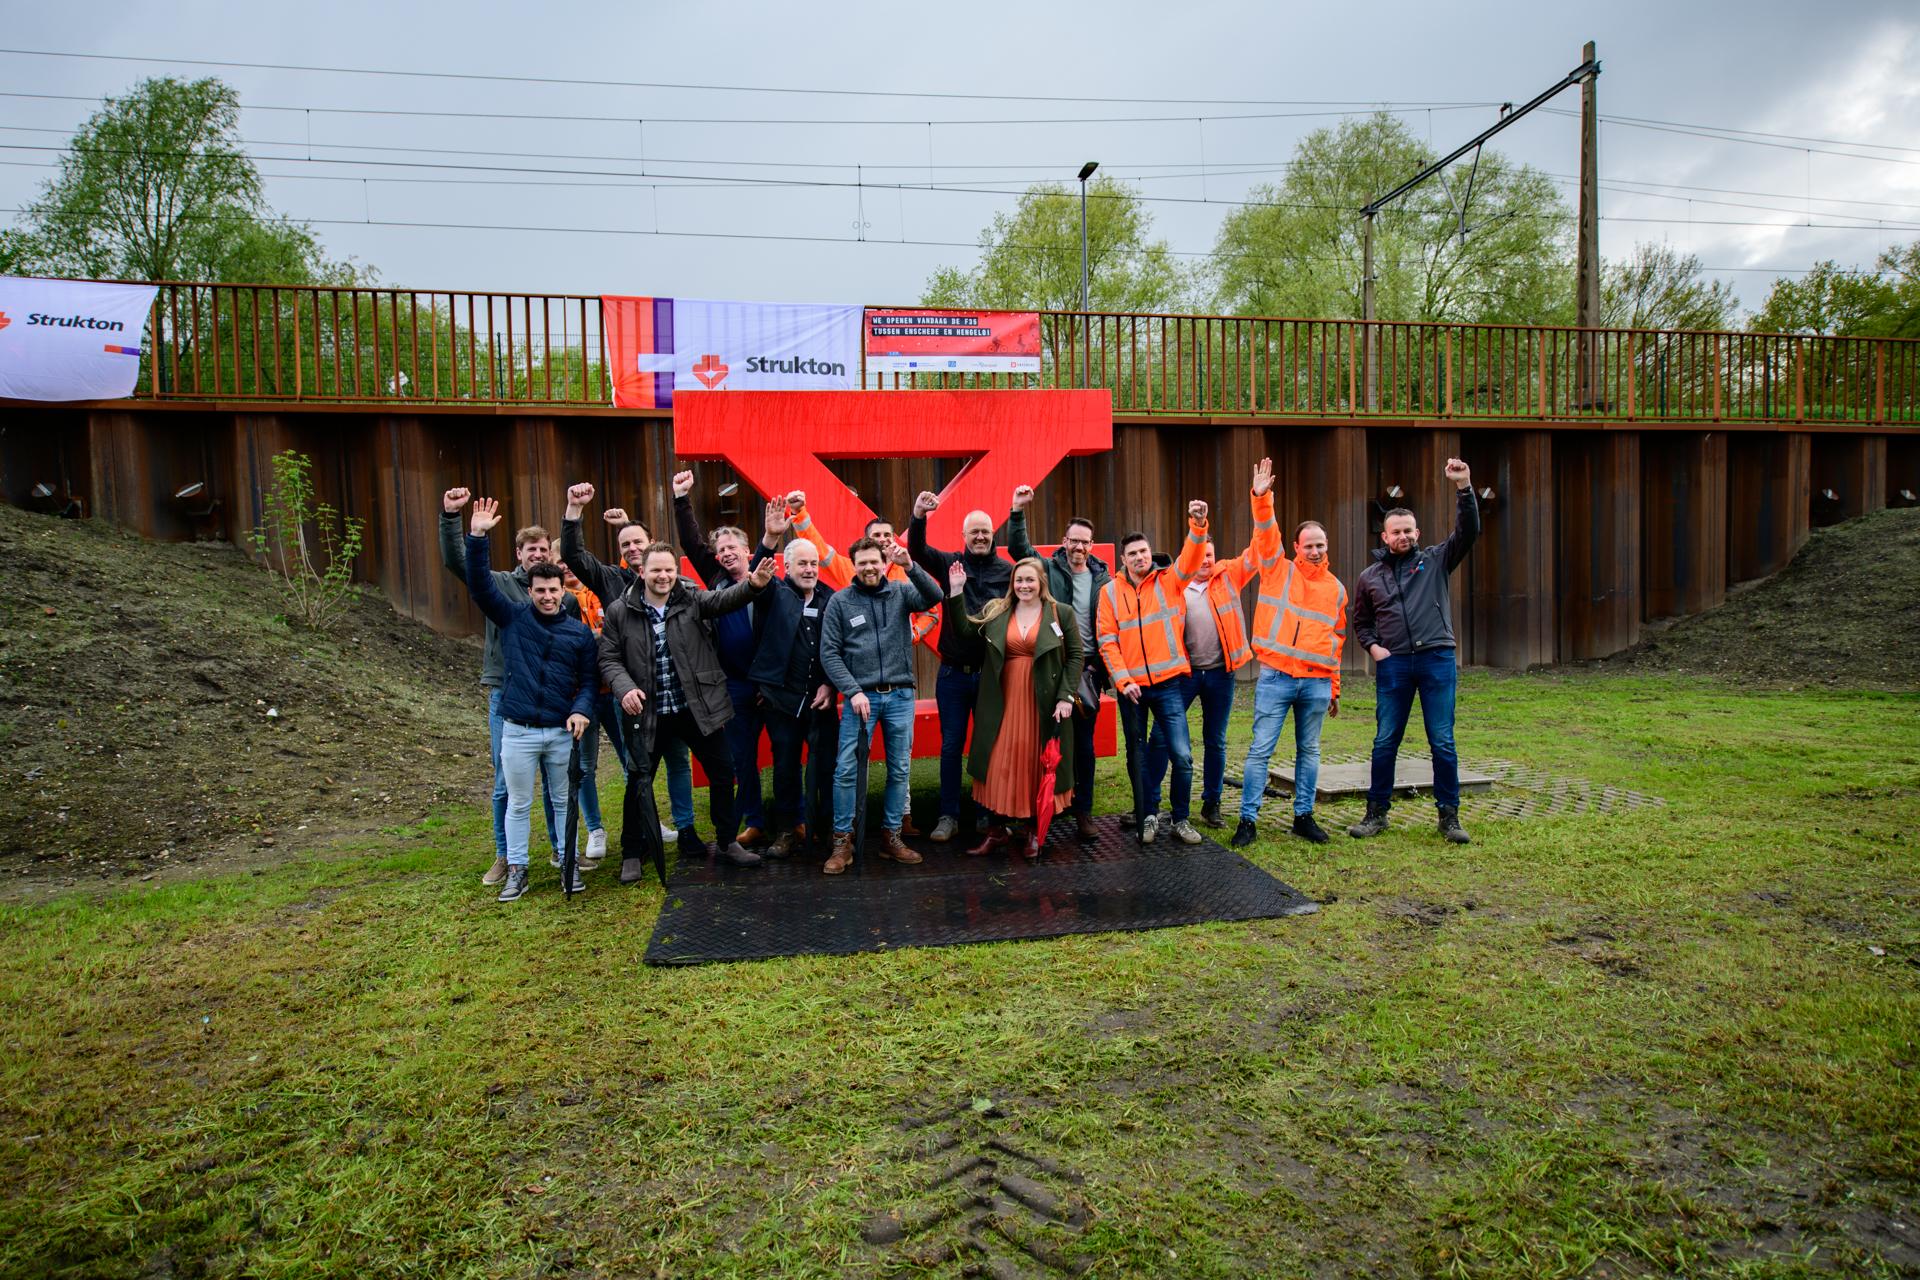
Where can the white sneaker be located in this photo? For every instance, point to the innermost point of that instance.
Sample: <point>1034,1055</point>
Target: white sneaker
<point>669,832</point>
<point>596,849</point>
<point>1149,828</point>
<point>1185,831</point>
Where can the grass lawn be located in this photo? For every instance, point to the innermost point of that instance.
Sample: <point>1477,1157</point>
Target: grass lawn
<point>1676,1040</point>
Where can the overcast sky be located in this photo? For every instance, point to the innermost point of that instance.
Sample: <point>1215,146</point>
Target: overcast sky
<point>576,214</point>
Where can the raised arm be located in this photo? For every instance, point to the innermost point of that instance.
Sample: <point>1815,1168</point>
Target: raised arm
<point>453,551</point>
<point>1018,544</point>
<point>933,561</point>
<point>735,595</point>
<point>1466,515</point>
<point>1195,549</point>
<point>835,569</point>
<point>919,580</point>
<point>1267,548</point>
<point>499,609</point>
<point>693,542</point>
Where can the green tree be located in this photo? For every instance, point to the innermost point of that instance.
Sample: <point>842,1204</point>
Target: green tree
<point>1295,249</point>
<point>1831,299</point>
<point>1030,259</point>
<point>1659,287</point>
<point>157,186</point>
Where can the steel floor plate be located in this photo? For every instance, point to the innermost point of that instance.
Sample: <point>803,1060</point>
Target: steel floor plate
<point>716,912</point>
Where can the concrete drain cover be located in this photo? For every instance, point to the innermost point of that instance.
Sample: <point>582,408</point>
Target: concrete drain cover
<point>1504,789</point>
<point>986,1201</point>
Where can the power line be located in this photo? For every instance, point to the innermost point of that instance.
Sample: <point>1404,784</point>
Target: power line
<point>713,88</point>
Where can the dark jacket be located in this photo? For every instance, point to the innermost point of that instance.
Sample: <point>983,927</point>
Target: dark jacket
<point>987,579</point>
<point>512,585</point>
<point>1060,584</point>
<point>732,633</point>
<point>866,637</point>
<point>608,581</point>
<point>626,653</point>
<point>549,661</point>
<point>786,654</point>
<point>1402,602</point>
<point>1056,674</point>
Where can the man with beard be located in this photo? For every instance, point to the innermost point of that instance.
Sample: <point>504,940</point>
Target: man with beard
<point>866,650</point>
<point>1075,577</point>
<point>798,702</point>
<point>1403,613</point>
<point>954,690</point>
<point>721,557</point>
<point>657,655</point>
<point>1299,629</point>
<point>610,582</point>
<point>531,546</point>
<point>547,691</point>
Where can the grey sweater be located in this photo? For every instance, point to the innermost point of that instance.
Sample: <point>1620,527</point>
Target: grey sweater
<point>866,637</point>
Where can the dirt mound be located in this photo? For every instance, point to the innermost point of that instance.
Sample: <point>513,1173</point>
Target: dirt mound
<point>156,708</point>
<point>1846,611</point>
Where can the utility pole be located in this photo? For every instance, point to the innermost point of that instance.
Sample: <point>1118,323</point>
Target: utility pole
<point>1587,255</point>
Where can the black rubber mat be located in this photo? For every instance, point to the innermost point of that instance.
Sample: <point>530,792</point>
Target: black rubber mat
<point>719,912</point>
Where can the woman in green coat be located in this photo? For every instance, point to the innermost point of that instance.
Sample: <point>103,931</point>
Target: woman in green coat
<point>1033,661</point>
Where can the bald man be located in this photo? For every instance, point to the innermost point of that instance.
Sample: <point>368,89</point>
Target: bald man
<point>988,575</point>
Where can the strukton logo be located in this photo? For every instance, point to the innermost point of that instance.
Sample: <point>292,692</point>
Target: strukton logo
<point>710,371</point>
<point>75,322</point>
<point>4,321</point>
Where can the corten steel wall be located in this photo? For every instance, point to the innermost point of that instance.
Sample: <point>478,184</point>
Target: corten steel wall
<point>1591,529</point>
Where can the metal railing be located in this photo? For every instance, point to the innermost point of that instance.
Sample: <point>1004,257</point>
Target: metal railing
<point>390,346</point>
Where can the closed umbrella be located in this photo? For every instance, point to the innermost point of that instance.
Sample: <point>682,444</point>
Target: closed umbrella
<point>1043,799</point>
<point>863,750</point>
<point>569,856</point>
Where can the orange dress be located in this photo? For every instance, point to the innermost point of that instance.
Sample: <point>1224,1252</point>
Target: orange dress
<point>1013,774</point>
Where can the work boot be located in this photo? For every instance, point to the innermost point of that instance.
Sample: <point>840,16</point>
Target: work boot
<point>1149,828</point>
<point>632,870</point>
<point>1244,833</point>
<point>751,837</point>
<point>1372,825</point>
<point>1210,815</point>
<point>1451,829</point>
<point>891,846</point>
<point>495,873</point>
<point>1083,826</point>
<point>1184,831</point>
<point>787,841</point>
<point>691,845</point>
<point>842,856</point>
<point>739,855</point>
<point>516,885</point>
<point>1307,829</point>
<point>945,829</point>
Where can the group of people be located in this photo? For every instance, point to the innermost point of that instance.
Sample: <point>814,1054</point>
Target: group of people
<point>812,647</point>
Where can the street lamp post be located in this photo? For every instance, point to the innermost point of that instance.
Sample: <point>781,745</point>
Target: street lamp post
<point>1086,171</point>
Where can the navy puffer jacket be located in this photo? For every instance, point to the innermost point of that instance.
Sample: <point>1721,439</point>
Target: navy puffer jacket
<point>552,663</point>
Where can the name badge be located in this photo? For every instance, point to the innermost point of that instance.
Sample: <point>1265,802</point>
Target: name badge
<point>809,612</point>
<point>1058,632</point>
<point>858,620</point>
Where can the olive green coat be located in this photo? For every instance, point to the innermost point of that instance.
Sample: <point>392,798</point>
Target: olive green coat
<point>1057,660</point>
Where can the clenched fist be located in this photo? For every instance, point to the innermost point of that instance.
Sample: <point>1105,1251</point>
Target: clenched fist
<point>454,499</point>
<point>682,483</point>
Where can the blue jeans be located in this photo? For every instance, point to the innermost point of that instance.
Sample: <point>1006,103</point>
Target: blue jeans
<point>494,725</point>
<point>743,743</point>
<point>953,692</point>
<point>1277,693</point>
<point>1214,689</point>
<point>894,713</point>
<point>525,752</point>
<point>1435,676</point>
<point>1169,716</point>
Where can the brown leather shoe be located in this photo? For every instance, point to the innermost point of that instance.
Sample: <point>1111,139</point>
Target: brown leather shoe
<point>1083,826</point>
<point>907,828</point>
<point>842,856</point>
<point>751,837</point>
<point>891,846</point>
<point>787,841</point>
<point>996,838</point>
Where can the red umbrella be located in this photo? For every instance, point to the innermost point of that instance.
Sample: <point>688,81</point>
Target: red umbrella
<point>1043,800</point>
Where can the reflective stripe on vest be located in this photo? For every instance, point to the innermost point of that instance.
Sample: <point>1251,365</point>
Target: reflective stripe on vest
<point>1283,605</point>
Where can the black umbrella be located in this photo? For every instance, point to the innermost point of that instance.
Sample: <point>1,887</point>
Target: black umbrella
<point>862,750</point>
<point>823,735</point>
<point>569,856</point>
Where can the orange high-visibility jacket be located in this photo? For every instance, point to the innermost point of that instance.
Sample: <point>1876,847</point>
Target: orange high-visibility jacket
<point>1223,596</point>
<point>836,571</point>
<point>1300,617</point>
<point>1143,630</point>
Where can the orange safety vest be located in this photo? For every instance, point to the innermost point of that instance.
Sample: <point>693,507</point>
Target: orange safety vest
<point>1142,629</point>
<point>836,571</point>
<point>1223,596</point>
<point>1300,616</point>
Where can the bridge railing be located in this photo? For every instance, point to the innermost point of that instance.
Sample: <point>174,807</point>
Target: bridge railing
<point>407,346</point>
